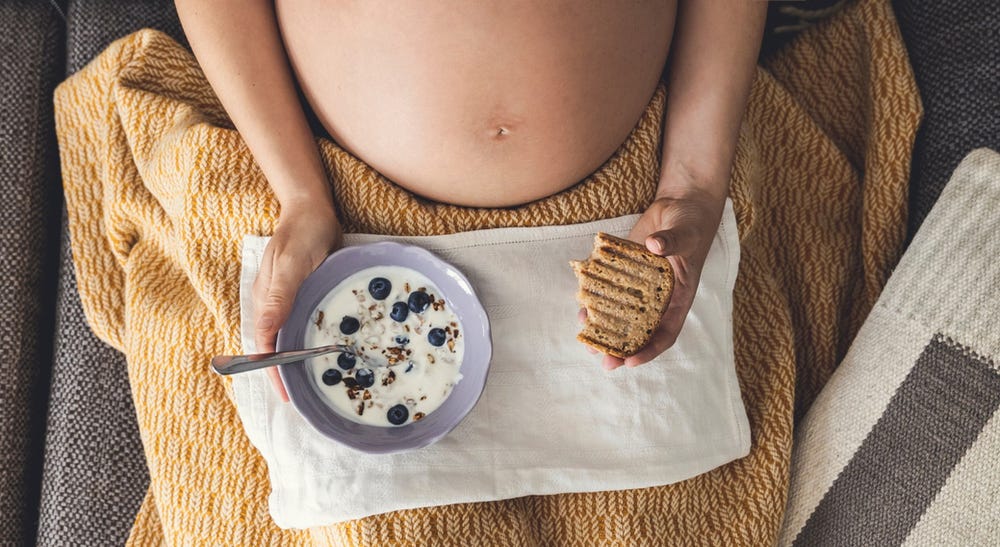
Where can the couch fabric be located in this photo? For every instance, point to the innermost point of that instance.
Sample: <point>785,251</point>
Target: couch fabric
<point>91,417</point>
<point>954,48</point>
<point>31,64</point>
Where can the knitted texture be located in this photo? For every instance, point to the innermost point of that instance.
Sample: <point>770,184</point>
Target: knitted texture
<point>161,189</point>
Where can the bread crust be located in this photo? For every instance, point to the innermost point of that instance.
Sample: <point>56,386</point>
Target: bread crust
<point>625,290</point>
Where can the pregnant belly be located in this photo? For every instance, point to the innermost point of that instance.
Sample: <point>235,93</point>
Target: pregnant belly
<point>475,103</point>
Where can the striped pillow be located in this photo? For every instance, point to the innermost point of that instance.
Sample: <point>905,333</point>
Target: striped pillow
<point>903,444</point>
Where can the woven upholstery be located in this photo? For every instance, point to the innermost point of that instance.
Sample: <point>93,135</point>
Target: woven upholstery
<point>954,46</point>
<point>30,66</point>
<point>93,24</point>
<point>95,474</point>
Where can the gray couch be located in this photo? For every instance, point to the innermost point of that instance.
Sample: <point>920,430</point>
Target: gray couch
<point>72,468</point>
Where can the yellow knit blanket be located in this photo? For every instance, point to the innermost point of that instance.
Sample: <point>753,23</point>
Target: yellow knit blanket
<point>160,190</point>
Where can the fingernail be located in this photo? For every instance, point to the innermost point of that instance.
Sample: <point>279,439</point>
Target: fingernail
<point>655,245</point>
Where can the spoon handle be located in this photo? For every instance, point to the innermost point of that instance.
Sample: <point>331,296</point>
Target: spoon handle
<point>232,364</point>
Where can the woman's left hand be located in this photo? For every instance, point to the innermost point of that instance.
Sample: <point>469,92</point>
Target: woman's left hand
<point>680,226</point>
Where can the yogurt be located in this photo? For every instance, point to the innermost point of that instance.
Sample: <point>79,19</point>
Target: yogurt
<point>409,342</point>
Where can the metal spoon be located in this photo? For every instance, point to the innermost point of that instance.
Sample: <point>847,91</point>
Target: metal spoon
<point>232,364</point>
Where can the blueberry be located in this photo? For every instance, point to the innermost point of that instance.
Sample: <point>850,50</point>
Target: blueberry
<point>346,361</point>
<point>436,337</point>
<point>332,377</point>
<point>349,325</point>
<point>397,415</point>
<point>399,312</point>
<point>379,288</point>
<point>402,340</point>
<point>418,301</point>
<point>365,377</point>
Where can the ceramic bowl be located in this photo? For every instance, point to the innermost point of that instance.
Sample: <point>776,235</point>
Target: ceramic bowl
<point>456,290</point>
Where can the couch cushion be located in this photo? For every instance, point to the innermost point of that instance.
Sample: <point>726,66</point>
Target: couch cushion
<point>953,46</point>
<point>31,46</point>
<point>93,24</point>
<point>95,474</point>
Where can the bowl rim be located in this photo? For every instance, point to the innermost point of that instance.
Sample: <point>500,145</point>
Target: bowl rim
<point>304,396</point>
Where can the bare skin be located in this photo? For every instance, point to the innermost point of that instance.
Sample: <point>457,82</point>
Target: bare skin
<point>480,104</point>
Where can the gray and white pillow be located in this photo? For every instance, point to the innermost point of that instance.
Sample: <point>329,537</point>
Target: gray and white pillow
<point>902,447</point>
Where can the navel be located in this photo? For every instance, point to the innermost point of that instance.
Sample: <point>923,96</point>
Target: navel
<point>501,126</point>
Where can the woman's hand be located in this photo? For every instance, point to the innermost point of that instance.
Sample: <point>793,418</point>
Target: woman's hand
<point>680,225</point>
<point>304,237</point>
<point>712,65</point>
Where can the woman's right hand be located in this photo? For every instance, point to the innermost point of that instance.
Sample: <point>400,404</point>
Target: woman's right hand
<point>238,45</point>
<point>304,237</point>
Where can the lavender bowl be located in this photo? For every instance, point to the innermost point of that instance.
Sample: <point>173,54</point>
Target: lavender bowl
<point>456,289</point>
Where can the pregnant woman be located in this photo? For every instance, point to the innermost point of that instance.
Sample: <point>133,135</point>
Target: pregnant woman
<point>480,104</point>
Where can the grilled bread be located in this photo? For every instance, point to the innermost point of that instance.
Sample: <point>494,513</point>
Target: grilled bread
<point>625,290</point>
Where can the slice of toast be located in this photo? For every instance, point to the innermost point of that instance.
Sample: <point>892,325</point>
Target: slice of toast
<point>625,290</point>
